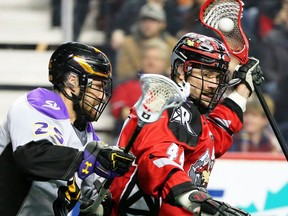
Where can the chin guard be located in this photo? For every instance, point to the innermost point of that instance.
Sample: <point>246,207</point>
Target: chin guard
<point>81,121</point>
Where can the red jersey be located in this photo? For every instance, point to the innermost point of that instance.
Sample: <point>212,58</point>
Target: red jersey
<point>173,156</point>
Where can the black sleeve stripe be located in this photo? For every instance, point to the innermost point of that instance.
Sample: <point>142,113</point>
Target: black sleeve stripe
<point>178,190</point>
<point>232,106</point>
<point>221,125</point>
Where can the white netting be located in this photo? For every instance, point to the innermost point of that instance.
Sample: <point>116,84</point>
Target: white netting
<point>231,9</point>
<point>153,102</point>
<point>158,94</point>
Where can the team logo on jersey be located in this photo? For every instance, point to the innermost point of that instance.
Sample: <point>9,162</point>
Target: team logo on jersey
<point>51,104</point>
<point>184,117</point>
<point>201,169</point>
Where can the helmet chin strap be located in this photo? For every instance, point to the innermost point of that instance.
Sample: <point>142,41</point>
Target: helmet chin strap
<point>81,121</point>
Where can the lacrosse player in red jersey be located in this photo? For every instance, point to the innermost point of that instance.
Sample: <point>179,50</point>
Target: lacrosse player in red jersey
<point>176,154</point>
<point>49,149</point>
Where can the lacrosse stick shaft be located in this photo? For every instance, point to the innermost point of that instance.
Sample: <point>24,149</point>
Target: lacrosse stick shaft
<point>133,138</point>
<point>272,121</point>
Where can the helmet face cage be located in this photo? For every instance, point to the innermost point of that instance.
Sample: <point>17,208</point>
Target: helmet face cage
<point>199,51</point>
<point>106,93</point>
<point>89,64</point>
<point>221,83</point>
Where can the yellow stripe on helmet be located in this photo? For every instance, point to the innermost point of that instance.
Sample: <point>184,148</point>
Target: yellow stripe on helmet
<point>88,68</point>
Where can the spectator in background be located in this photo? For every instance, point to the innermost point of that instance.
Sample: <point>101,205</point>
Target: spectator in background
<point>192,22</point>
<point>256,134</point>
<point>260,16</point>
<point>177,10</point>
<point>154,56</point>
<point>258,21</point>
<point>120,22</point>
<point>128,13</point>
<point>274,62</point>
<point>107,14</point>
<point>151,24</point>
<point>124,20</point>
<point>281,114</point>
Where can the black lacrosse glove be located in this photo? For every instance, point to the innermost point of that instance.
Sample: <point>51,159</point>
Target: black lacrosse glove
<point>248,74</point>
<point>216,208</point>
<point>106,161</point>
<point>202,204</point>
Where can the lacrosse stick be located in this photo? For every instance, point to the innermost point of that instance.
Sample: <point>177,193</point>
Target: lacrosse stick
<point>158,94</point>
<point>211,14</point>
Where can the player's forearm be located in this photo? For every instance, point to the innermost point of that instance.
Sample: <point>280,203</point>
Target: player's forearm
<point>177,184</point>
<point>42,160</point>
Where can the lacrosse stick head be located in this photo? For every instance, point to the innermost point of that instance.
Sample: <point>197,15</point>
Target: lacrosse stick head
<point>158,93</point>
<point>211,14</point>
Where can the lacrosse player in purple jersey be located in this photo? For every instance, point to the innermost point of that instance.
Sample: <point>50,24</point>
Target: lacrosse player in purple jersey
<point>48,148</point>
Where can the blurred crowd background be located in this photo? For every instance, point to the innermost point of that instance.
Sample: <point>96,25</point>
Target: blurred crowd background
<point>138,36</point>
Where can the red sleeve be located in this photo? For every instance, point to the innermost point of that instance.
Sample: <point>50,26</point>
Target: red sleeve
<point>225,120</point>
<point>158,156</point>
